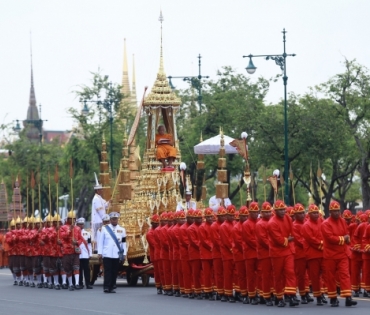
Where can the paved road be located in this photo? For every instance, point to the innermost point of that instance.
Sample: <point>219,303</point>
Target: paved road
<point>138,300</point>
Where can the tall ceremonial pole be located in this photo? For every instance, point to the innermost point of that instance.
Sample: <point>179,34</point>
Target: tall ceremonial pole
<point>56,180</point>
<point>71,178</point>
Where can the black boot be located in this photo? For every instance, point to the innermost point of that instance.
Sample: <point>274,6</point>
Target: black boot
<point>169,293</point>
<point>334,302</point>
<point>245,300</point>
<point>356,294</point>
<point>366,294</point>
<point>262,300</point>
<point>280,302</point>
<point>177,293</point>
<point>269,302</point>
<point>324,300</point>
<point>304,299</point>
<point>218,297</point>
<point>224,298</point>
<point>198,296</point>
<point>293,301</point>
<point>319,301</point>
<point>254,301</point>
<point>231,299</point>
<point>159,291</point>
<point>350,302</point>
<point>309,298</point>
<point>191,296</point>
<point>206,296</point>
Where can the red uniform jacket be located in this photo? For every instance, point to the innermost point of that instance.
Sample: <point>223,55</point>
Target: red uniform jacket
<point>157,252</point>
<point>333,232</point>
<point>239,246</point>
<point>227,241</point>
<point>356,241</point>
<point>175,242</point>
<point>279,230</point>
<point>66,236</point>
<point>53,235</point>
<point>313,241</point>
<point>164,242</point>
<point>263,243</point>
<point>34,242</point>
<point>194,242</point>
<point>10,241</point>
<point>152,244</point>
<point>44,239</point>
<point>298,240</point>
<point>366,243</point>
<point>249,238</point>
<point>205,238</point>
<point>20,241</point>
<point>184,241</point>
<point>216,240</point>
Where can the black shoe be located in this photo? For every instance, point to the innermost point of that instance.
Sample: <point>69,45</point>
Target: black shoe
<point>89,287</point>
<point>218,297</point>
<point>185,296</point>
<point>198,296</point>
<point>77,287</point>
<point>366,294</point>
<point>304,300</point>
<point>231,299</point>
<point>40,286</point>
<point>106,291</point>
<point>57,287</point>
<point>246,300</point>
<point>319,301</point>
<point>269,302</point>
<point>293,301</point>
<point>20,283</point>
<point>206,296</point>
<point>334,302</point>
<point>223,298</point>
<point>350,302</point>
<point>324,300</point>
<point>191,296</point>
<point>164,292</point>
<point>71,288</point>
<point>356,294</point>
<point>26,284</point>
<point>280,303</point>
<point>51,286</point>
<point>112,291</point>
<point>177,293</point>
<point>309,298</point>
<point>169,293</point>
<point>254,301</point>
<point>46,286</point>
<point>32,285</point>
<point>159,291</point>
<point>64,286</point>
<point>15,282</point>
<point>262,300</point>
<point>212,297</point>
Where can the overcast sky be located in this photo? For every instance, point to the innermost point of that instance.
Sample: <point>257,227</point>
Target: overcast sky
<point>70,38</point>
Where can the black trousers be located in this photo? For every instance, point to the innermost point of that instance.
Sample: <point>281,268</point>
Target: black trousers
<point>84,271</point>
<point>110,272</point>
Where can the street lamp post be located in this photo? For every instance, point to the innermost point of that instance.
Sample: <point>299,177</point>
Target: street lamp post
<point>280,60</point>
<point>193,81</point>
<point>108,104</point>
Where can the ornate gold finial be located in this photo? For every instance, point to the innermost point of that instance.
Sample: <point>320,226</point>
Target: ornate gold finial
<point>161,93</point>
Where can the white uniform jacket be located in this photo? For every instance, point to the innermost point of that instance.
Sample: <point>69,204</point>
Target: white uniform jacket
<point>182,206</point>
<point>214,203</point>
<point>86,252</point>
<point>98,209</point>
<point>107,246</point>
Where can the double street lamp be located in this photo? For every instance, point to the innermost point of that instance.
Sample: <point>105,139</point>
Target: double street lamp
<point>280,60</point>
<point>108,104</point>
<point>195,82</point>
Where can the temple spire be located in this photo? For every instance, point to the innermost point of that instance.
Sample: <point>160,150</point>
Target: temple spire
<point>133,90</point>
<point>161,68</point>
<point>125,79</point>
<point>32,112</point>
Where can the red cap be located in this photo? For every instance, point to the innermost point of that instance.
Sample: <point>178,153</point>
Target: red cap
<point>243,210</point>
<point>298,208</point>
<point>279,205</point>
<point>236,215</point>
<point>313,208</point>
<point>197,213</point>
<point>221,211</point>
<point>289,211</point>
<point>347,214</point>
<point>231,209</point>
<point>334,205</point>
<point>181,214</point>
<point>190,213</point>
<point>155,218</point>
<point>208,212</point>
<point>254,206</point>
<point>163,216</point>
<point>170,216</point>
<point>266,206</point>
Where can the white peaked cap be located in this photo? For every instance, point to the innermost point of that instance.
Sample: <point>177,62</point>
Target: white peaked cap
<point>276,173</point>
<point>97,185</point>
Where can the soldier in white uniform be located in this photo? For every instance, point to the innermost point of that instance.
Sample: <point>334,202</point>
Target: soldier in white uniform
<point>215,203</point>
<point>106,220</point>
<point>188,204</point>
<point>98,209</point>
<point>110,253</point>
<point>86,252</point>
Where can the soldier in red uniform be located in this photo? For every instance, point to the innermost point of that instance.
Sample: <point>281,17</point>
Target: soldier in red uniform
<point>194,253</point>
<point>181,219</point>
<point>251,261</point>
<point>71,238</point>
<point>56,255</point>
<point>34,242</point>
<point>263,255</point>
<point>205,248</point>
<point>157,253</point>
<point>165,255</point>
<point>313,247</point>
<point>336,253</point>
<point>22,239</point>
<point>184,254</point>
<point>366,259</point>
<point>10,244</point>
<point>281,237</point>
<point>174,280</point>
<point>175,258</point>
<point>154,222</point>
<point>300,264</point>
<point>227,254</point>
<point>29,253</point>
<point>239,252</point>
<point>46,250</point>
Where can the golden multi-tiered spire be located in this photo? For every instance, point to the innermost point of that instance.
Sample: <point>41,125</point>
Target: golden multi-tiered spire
<point>125,79</point>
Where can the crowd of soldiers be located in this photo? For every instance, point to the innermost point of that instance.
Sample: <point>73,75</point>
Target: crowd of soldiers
<point>262,255</point>
<point>48,254</point>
